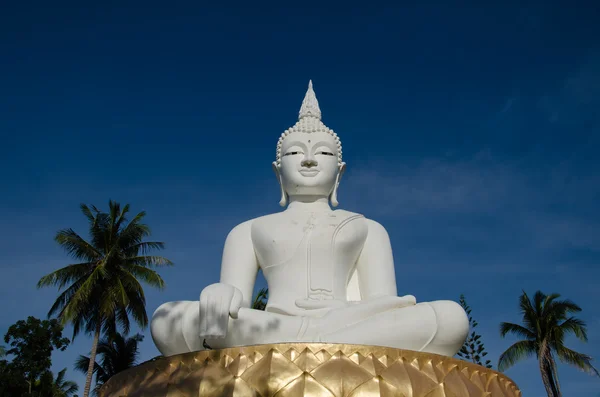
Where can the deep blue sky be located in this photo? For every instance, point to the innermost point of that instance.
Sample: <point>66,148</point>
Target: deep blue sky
<point>469,131</point>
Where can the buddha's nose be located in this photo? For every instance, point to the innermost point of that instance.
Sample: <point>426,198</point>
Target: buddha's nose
<point>309,162</point>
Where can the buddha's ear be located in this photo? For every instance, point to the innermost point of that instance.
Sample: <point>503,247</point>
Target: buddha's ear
<point>283,201</point>
<point>338,177</point>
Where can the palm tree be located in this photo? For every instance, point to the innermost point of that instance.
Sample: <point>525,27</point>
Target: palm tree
<point>117,353</point>
<point>103,290</point>
<point>546,322</point>
<point>59,387</point>
<point>62,387</point>
<point>260,300</point>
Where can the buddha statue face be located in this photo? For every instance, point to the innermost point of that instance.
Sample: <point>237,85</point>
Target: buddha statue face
<point>309,164</point>
<point>309,157</point>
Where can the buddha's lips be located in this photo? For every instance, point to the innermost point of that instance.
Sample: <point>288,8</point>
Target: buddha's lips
<point>309,172</point>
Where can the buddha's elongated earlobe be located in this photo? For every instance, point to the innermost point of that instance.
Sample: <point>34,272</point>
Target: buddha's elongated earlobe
<point>333,196</point>
<point>283,200</point>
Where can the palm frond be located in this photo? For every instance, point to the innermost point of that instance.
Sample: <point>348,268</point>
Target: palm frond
<point>566,307</point>
<point>90,213</point>
<point>64,387</point>
<point>82,364</point>
<point>516,329</point>
<point>116,353</point>
<point>575,326</point>
<point>579,360</point>
<point>149,276</point>
<point>538,302</point>
<point>143,248</point>
<point>121,218</point>
<point>528,312</point>
<point>76,246</point>
<point>66,275</point>
<point>64,298</point>
<point>137,300</point>
<point>80,301</point>
<point>149,261</point>
<point>134,232</point>
<point>547,313</point>
<point>260,300</point>
<point>518,351</point>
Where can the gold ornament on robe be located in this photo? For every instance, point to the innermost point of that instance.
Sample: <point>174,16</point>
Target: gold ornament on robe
<point>309,369</point>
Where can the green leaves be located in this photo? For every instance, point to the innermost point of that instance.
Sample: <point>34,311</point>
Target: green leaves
<point>518,351</point>
<point>104,290</point>
<point>76,246</point>
<point>260,300</point>
<point>578,360</point>
<point>509,328</point>
<point>473,348</point>
<point>31,344</point>
<point>117,353</point>
<point>546,321</point>
<point>62,387</point>
<point>105,287</point>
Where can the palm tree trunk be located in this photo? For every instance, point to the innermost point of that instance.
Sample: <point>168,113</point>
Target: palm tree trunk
<point>554,374</point>
<point>551,379</point>
<point>546,374</point>
<point>90,373</point>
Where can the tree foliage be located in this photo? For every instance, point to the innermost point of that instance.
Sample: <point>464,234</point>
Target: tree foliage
<point>12,380</point>
<point>31,343</point>
<point>48,386</point>
<point>102,290</point>
<point>260,300</point>
<point>473,349</point>
<point>546,321</point>
<point>116,353</point>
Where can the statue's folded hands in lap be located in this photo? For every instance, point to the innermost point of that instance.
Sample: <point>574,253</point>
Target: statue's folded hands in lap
<point>330,274</point>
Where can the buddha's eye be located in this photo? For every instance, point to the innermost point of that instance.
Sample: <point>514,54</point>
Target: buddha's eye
<point>326,153</point>
<point>292,153</point>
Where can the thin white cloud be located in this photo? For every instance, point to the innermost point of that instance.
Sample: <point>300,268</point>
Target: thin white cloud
<point>578,98</point>
<point>546,205</point>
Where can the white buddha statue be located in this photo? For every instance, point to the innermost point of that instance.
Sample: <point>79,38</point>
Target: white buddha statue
<point>330,274</point>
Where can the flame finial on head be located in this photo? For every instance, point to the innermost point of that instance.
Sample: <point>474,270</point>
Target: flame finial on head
<point>310,105</point>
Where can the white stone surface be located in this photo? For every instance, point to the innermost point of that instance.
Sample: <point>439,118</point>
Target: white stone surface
<point>330,273</point>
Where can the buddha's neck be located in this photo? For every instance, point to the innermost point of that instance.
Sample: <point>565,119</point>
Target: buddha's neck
<point>312,204</point>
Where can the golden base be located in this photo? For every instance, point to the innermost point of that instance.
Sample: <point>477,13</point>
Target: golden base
<point>309,369</point>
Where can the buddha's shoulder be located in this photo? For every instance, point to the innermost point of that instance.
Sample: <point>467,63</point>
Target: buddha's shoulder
<point>343,217</point>
<point>269,219</point>
<point>343,214</point>
<point>371,225</point>
<point>245,228</point>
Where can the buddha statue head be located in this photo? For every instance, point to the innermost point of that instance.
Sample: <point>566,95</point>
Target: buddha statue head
<point>309,157</point>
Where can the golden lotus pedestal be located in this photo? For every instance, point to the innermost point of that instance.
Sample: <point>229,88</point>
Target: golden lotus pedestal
<point>309,369</point>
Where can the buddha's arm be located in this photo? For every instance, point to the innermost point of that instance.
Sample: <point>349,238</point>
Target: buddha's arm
<point>375,266</point>
<point>239,265</point>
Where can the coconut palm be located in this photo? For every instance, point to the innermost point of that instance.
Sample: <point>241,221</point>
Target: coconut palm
<point>260,300</point>
<point>546,322</point>
<point>117,353</point>
<point>62,387</point>
<point>103,289</point>
<point>48,386</point>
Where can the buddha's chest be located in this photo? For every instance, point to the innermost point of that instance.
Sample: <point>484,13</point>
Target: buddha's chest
<point>319,246</point>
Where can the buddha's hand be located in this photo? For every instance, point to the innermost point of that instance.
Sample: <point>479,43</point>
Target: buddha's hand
<point>218,302</point>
